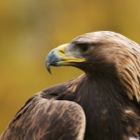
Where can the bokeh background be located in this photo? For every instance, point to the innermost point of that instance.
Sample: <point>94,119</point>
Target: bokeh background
<point>29,29</point>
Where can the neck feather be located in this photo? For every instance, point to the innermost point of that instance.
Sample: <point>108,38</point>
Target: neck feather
<point>104,101</point>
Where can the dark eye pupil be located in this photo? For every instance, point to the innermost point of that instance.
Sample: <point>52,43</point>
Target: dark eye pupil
<point>84,47</point>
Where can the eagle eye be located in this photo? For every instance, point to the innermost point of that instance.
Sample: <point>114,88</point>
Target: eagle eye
<point>83,47</point>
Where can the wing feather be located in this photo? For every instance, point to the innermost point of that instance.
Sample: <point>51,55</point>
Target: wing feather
<point>47,119</point>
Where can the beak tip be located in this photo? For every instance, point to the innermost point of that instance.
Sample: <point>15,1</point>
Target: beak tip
<point>49,68</point>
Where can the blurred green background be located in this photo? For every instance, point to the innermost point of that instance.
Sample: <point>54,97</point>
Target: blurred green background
<point>29,29</point>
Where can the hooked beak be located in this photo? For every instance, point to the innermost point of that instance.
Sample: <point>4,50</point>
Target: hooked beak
<point>61,56</point>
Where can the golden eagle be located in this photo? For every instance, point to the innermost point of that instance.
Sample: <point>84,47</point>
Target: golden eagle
<point>101,104</point>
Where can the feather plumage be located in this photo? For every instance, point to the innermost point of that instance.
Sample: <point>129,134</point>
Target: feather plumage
<point>101,104</point>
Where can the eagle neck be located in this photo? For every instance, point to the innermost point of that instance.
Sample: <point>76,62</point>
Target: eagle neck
<point>101,86</point>
<point>102,100</point>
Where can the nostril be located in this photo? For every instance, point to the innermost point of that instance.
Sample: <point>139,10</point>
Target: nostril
<point>61,51</point>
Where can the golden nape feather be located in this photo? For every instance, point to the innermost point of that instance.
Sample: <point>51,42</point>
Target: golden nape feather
<point>101,104</point>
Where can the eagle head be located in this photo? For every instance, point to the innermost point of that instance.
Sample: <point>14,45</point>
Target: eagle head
<point>102,54</point>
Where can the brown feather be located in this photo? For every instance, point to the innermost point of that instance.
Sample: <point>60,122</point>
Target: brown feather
<point>107,95</point>
<point>41,118</point>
